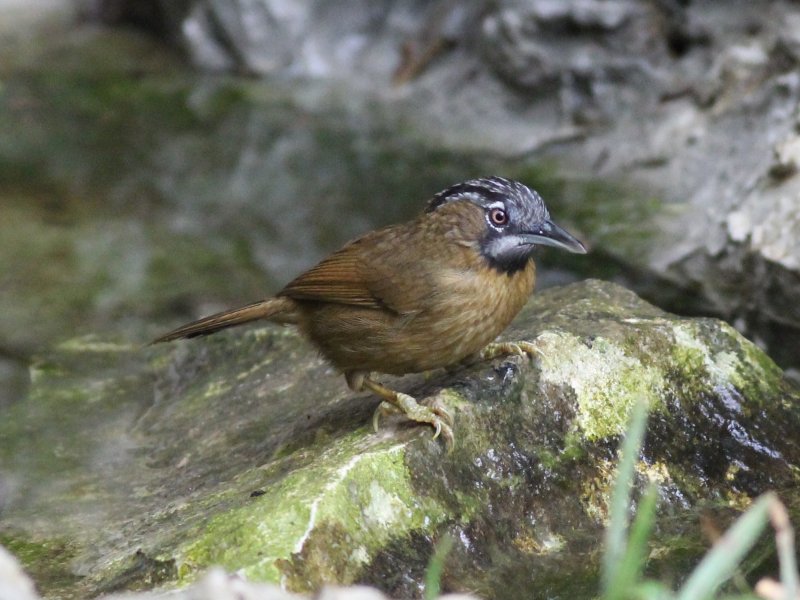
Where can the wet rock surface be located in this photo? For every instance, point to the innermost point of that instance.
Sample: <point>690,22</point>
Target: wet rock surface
<point>128,468</point>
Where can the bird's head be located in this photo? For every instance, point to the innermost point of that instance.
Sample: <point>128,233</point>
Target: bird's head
<point>515,221</point>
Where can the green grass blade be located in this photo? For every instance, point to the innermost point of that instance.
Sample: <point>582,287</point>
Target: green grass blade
<point>433,574</point>
<point>784,541</point>
<point>721,561</point>
<point>632,564</point>
<point>621,498</point>
<point>651,590</point>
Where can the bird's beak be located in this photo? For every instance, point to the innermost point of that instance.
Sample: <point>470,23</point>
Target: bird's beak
<point>549,234</point>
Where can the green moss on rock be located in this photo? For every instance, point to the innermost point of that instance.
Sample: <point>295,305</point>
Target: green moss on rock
<point>363,496</point>
<point>247,450</point>
<point>606,381</point>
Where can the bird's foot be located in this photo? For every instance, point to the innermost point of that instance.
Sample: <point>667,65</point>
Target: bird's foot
<point>435,415</point>
<point>521,348</point>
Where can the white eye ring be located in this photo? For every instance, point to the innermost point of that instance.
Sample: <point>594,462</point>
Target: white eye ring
<point>498,217</point>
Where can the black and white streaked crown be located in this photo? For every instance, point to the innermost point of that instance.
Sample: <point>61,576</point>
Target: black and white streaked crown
<point>487,191</point>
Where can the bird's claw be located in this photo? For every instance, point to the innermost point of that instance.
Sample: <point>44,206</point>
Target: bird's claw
<point>520,348</point>
<point>436,415</point>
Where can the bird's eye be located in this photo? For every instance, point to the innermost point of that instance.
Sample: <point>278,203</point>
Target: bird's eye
<point>498,216</point>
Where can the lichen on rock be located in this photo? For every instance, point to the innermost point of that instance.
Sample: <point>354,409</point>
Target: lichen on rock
<point>245,450</point>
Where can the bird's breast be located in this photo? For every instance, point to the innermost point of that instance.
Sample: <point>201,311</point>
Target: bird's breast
<point>473,308</point>
<point>462,309</point>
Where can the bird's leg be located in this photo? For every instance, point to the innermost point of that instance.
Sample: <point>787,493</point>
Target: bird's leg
<point>397,402</point>
<point>521,348</point>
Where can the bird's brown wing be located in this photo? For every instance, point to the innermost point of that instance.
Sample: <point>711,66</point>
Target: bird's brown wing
<point>336,279</point>
<point>365,272</point>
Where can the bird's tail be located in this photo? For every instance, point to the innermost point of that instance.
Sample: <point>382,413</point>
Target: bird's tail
<point>281,310</point>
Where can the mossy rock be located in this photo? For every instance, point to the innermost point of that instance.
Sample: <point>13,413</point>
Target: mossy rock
<point>245,450</point>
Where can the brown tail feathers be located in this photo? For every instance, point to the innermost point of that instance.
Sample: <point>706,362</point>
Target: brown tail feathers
<point>281,310</point>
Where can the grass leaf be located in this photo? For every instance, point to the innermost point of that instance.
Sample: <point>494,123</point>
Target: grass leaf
<point>433,574</point>
<point>616,532</point>
<point>722,560</point>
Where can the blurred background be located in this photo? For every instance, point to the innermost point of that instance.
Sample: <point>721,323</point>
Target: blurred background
<point>163,159</point>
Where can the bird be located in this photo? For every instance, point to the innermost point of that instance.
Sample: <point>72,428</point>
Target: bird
<point>429,293</point>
